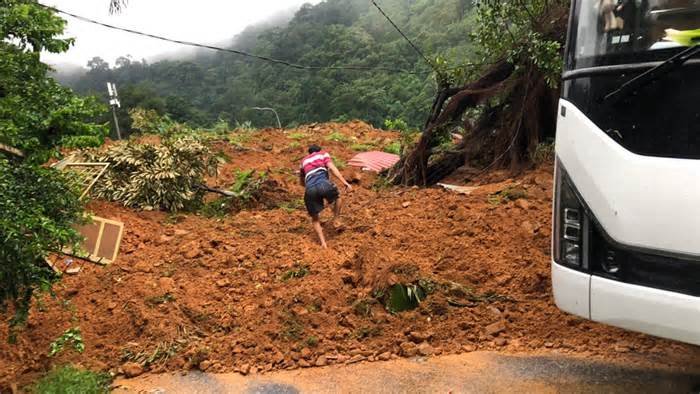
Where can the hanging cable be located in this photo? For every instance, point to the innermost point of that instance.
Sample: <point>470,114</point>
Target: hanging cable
<point>234,51</point>
<point>415,48</point>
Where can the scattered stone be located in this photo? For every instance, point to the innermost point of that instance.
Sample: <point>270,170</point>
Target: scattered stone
<point>253,370</point>
<point>223,282</point>
<point>342,358</point>
<point>406,204</point>
<point>424,349</point>
<point>304,364</point>
<point>522,204</point>
<point>356,359</point>
<point>305,352</point>
<point>527,228</point>
<point>204,365</point>
<point>495,328</point>
<point>167,284</point>
<point>495,312</point>
<point>143,266</point>
<point>408,349</point>
<point>468,348</point>
<point>193,253</point>
<point>111,306</point>
<point>164,239</point>
<point>419,337</point>
<point>245,369</point>
<point>622,348</point>
<point>180,232</point>
<point>132,370</point>
<point>386,356</point>
<point>322,361</point>
<point>548,345</point>
<point>500,341</point>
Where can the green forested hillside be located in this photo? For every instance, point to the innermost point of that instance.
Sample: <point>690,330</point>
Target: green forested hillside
<point>215,86</point>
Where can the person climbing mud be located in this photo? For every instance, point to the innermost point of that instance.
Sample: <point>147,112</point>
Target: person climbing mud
<point>314,176</point>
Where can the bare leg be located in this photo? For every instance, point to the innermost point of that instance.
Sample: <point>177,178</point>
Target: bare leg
<point>316,222</point>
<point>337,206</point>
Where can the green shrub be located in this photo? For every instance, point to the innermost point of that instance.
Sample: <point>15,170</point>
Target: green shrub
<point>246,126</point>
<point>70,380</point>
<point>337,136</point>
<point>297,136</point>
<point>37,212</point>
<point>299,272</point>
<point>394,147</point>
<point>362,147</point>
<point>162,176</point>
<point>72,336</point>
<point>221,127</point>
<point>396,124</point>
<point>544,153</point>
<point>246,188</point>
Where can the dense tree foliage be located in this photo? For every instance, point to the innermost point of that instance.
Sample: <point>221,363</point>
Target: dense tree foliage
<point>37,115</point>
<point>507,109</point>
<point>215,86</point>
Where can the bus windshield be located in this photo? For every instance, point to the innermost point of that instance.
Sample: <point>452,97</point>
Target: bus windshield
<point>627,31</point>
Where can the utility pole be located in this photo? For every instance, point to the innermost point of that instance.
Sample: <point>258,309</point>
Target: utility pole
<point>114,103</point>
<point>279,124</point>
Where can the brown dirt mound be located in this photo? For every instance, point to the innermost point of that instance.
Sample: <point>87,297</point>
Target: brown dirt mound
<point>254,291</point>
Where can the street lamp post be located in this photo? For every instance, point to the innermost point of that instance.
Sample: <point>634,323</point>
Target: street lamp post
<point>279,124</point>
<point>114,103</point>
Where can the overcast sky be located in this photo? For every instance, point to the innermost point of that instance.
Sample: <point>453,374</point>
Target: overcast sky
<point>205,21</point>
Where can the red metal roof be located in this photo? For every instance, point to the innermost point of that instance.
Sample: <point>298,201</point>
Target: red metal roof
<point>374,161</point>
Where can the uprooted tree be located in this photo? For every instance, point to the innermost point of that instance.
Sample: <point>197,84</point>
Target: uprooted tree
<point>506,110</point>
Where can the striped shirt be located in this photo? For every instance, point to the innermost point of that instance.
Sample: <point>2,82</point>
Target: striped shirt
<point>315,168</point>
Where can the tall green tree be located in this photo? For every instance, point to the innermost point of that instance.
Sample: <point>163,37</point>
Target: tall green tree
<point>37,116</point>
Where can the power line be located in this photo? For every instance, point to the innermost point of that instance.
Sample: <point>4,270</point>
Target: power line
<point>234,51</point>
<point>415,48</point>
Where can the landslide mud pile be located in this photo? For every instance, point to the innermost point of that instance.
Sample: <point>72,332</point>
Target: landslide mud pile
<point>253,291</point>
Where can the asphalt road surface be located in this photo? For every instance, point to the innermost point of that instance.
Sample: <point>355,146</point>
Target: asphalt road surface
<point>467,373</point>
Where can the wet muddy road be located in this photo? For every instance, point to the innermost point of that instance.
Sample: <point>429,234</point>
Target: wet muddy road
<point>468,373</point>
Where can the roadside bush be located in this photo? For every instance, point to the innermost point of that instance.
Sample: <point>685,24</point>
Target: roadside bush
<point>394,147</point>
<point>247,189</point>
<point>37,211</point>
<point>70,380</point>
<point>396,124</point>
<point>165,176</point>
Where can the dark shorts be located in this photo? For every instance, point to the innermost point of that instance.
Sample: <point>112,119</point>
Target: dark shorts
<point>315,195</point>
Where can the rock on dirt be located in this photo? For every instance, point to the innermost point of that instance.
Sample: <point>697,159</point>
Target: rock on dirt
<point>167,284</point>
<point>132,370</point>
<point>143,266</point>
<point>322,361</point>
<point>424,349</point>
<point>304,364</point>
<point>408,349</point>
<point>223,282</point>
<point>419,337</point>
<point>386,356</point>
<point>522,204</point>
<point>356,359</point>
<point>495,328</point>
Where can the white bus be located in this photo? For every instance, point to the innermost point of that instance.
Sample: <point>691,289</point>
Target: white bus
<point>626,231</point>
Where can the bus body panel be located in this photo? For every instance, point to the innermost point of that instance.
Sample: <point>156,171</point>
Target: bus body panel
<point>644,309</point>
<point>640,201</point>
<point>571,290</point>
